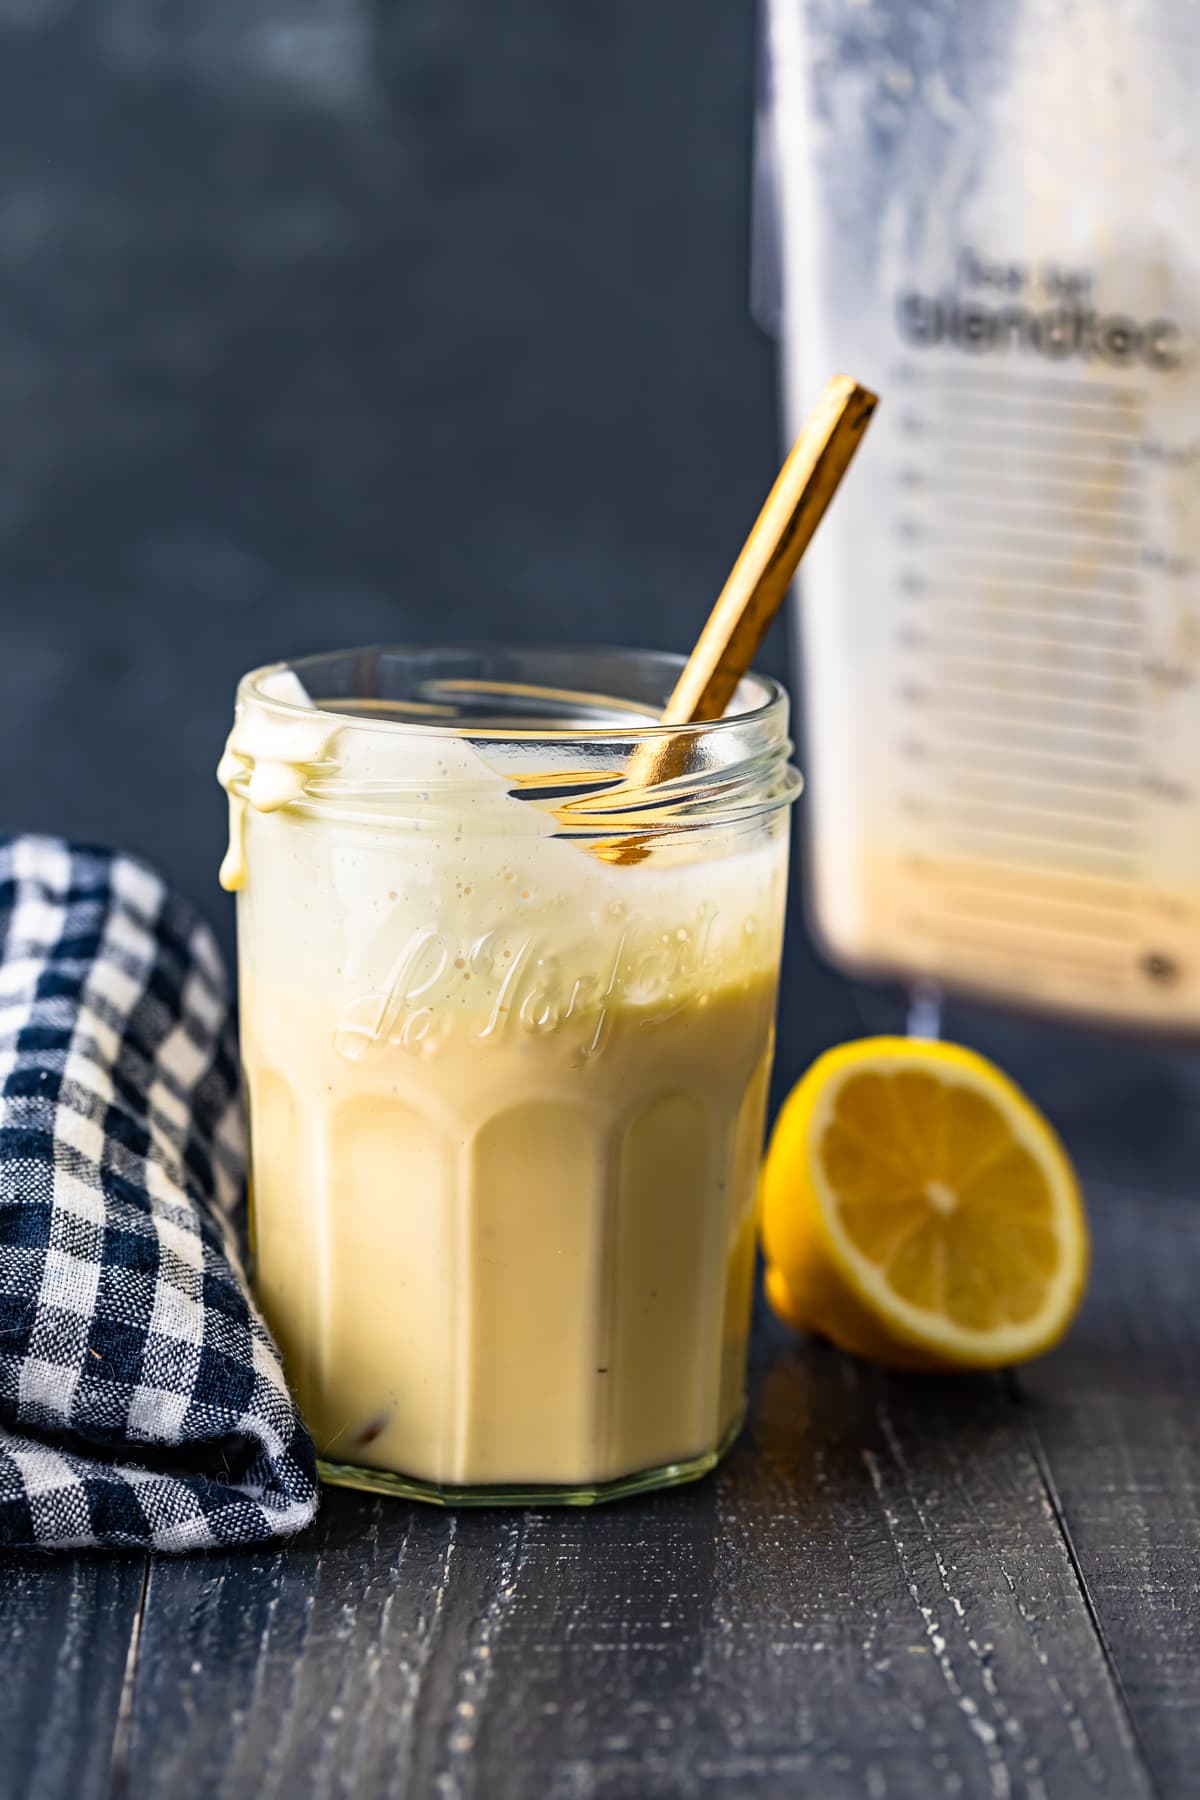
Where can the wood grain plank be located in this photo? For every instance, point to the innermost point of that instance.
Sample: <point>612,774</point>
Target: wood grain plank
<point>1115,1413</point>
<point>66,1627</point>
<point>872,1597</point>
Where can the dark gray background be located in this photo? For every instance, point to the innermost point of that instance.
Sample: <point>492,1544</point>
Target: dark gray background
<point>326,321</point>
<point>323,321</point>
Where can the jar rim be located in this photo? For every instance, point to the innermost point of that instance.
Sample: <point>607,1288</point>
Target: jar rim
<point>770,697</point>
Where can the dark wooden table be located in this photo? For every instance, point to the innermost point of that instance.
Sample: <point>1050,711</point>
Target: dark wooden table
<point>893,1587</point>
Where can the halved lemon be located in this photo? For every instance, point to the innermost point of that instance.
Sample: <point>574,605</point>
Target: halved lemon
<point>916,1208</point>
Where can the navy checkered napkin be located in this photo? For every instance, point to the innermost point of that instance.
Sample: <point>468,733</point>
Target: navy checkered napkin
<point>142,1402</point>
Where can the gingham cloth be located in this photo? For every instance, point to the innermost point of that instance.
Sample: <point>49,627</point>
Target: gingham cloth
<point>142,1402</point>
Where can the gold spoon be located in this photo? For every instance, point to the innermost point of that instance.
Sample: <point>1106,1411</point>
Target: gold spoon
<point>751,597</point>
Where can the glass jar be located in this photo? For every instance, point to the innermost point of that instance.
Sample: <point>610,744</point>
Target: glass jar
<point>508,954</point>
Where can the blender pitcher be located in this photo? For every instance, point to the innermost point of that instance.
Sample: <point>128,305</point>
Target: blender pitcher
<point>988,212</point>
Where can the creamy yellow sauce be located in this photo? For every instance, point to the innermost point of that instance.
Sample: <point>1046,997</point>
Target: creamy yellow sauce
<point>509,1262</point>
<point>506,1107</point>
